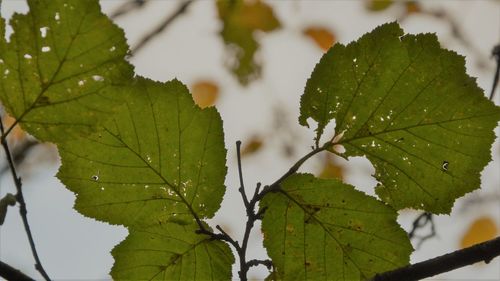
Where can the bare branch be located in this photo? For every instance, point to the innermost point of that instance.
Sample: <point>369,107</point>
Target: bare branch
<point>19,153</point>
<point>275,186</point>
<point>22,204</point>
<point>485,251</point>
<point>420,222</point>
<point>10,273</point>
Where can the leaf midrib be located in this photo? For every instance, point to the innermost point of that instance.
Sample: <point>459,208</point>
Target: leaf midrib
<point>348,140</point>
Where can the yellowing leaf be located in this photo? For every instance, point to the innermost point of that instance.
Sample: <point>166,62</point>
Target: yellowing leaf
<point>378,5</point>
<point>413,7</point>
<point>331,169</point>
<point>257,15</point>
<point>322,36</point>
<point>240,20</point>
<point>17,134</point>
<point>252,146</point>
<point>205,93</point>
<point>482,229</point>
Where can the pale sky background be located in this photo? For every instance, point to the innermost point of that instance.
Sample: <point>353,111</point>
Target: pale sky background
<point>73,247</point>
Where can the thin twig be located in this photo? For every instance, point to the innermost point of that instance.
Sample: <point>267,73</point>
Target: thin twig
<point>485,251</point>
<point>128,7</point>
<point>22,204</point>
<point>19,153</point>
<point>275,186</point>
<point>267,263</point>
<point>420,222</point>
<point>240,173</point>
<point>480,198</point>
<point>228,238</point>
<point>496,55</point>
<point>251,218</point>
<point>10,273</point>
<point>157,30</point>
<point>252,215</point>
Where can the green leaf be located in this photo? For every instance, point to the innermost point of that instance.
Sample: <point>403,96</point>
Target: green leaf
<point>61,67</point>
<point>159,159</point>
<point>410,108</point>
<point>241,19</point>
<point>171,252</point>
<point>317,229</point>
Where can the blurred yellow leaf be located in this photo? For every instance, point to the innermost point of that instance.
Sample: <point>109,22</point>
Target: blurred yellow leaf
<point>17,134</point>
<point>257,15</point>
<point>240,20</point>
<point>322,36</point>
<point>413,7</point>
<point>378,5</point>
<point>252,146</point>
<point>482,229</point>
<point>331,169</point>
<point>205,93</point>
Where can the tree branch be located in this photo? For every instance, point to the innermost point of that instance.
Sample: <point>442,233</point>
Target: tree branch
<point>10,273</point>
<point>485,251</point>
<point>167,21</point>
<point>22,204</point>
<point>252,215</point>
